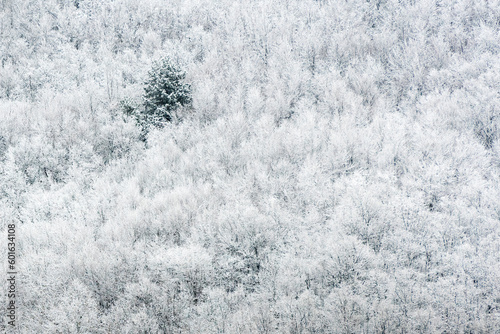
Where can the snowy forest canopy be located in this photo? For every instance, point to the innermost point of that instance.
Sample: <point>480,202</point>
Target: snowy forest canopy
<point>337,169</point>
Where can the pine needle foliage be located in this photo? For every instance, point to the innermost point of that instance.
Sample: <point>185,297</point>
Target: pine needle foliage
<point>165,91</point>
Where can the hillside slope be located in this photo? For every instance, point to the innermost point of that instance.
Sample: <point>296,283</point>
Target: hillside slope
<point>338,170</point>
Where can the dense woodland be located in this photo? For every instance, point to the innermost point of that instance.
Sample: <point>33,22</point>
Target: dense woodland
<point>337,169</point>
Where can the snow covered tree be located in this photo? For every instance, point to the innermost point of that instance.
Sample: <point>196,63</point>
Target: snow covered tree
<point>164,92</point>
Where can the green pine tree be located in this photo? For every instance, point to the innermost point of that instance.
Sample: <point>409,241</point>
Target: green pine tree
<point>164,92</point>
